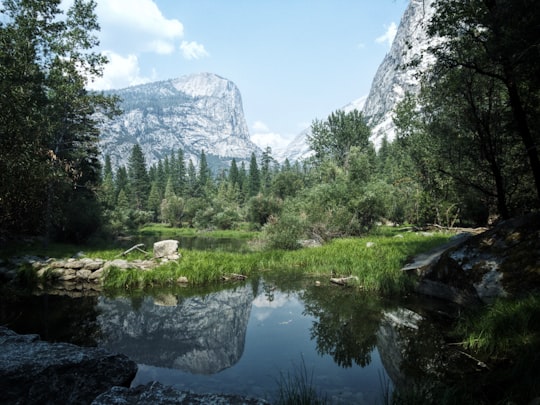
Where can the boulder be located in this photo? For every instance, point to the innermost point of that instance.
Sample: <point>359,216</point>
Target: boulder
<point>502,261</point>
<point>166,248</point>
<point>156,393</point>
<point>37,372</point>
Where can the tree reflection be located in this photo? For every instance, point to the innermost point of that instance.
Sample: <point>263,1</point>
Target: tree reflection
<point>346,323</point>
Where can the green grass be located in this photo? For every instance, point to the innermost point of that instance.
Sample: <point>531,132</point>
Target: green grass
<point>377,267</point>
<point>298,388</point>
<point>499,328</point>
<point>164,230</point>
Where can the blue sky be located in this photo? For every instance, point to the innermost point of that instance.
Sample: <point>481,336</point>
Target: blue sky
<point>293,60</point>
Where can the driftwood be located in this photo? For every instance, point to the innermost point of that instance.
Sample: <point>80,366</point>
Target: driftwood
<point>136,247</point>
<point>234,276</point>
<point>343,280</point>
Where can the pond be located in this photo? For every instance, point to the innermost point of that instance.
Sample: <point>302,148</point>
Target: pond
<point>244,338</point>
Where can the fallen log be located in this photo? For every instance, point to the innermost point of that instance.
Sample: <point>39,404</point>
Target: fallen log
<point>343,280</point>
<point>131,249</point>
<point>233,276</point>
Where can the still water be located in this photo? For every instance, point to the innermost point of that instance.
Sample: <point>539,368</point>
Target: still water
<point>239,338</point>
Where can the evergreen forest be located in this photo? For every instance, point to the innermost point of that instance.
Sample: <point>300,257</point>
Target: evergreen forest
<point>465,154</point>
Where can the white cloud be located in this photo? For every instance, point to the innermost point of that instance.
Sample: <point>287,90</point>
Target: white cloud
<point>260,126</point>
<point>389,35</point>
<point>131,26</point>
<point>193,50</point>
<point>120,72</point>
<point>262,136</point>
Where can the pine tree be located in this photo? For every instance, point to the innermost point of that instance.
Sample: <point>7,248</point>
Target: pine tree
<point>233,173</point>
<point>204,173</point>
<point>138,178</point>
<point>179,174</point>
<point>254,177</point>
<point>154,200</point>
<point>192,181</point>
<point>107,193</point>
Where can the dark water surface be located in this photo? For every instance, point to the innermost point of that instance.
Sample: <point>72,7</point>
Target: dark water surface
<point>239,338</point>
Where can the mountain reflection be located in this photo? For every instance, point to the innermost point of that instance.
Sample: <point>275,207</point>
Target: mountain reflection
<point>199,334</point>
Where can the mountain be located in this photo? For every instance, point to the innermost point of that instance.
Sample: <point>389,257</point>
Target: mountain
<point>393,79</point>
<point>194,113</point>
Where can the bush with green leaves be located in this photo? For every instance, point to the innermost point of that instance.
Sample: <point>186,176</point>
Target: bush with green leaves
<point>283,232</point>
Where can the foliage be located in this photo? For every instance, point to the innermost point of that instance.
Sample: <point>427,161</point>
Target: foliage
<point>333,138</point>
<point>481,99</point>
<point>283,232</point>
<point>48,128</point>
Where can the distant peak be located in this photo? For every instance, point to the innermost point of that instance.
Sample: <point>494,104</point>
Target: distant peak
<point>203,85</point>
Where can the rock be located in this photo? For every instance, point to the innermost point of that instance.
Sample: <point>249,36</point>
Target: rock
<point>310,243</point>
<point>84,274</point>
<point>197,112</point>
<point>156,393</point>
<point>166,248</point>
<point>503,261</point>
<point>37,372</point>
<point>118,263</point>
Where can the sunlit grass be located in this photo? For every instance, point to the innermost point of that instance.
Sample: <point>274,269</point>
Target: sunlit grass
<point>375,261</point>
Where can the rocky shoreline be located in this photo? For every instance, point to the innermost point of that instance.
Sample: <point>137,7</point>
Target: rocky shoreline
<point>84,275</point>
<point>33,371</point>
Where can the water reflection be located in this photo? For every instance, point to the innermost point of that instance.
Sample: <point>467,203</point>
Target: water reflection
<point>242,338</point>
<point>345,324</point>
<point>199,334</point>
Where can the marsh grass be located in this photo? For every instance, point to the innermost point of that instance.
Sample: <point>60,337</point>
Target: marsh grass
<point>377,264</point>
<point>297,388</point>
<point>499,328</point>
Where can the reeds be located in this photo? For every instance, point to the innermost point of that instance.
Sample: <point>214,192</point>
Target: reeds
<point>375,261</point>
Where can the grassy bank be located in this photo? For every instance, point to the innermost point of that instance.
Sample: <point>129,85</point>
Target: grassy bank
<point>375,260</point>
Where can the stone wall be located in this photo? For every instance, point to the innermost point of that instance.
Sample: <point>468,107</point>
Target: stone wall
<point>84,274</point>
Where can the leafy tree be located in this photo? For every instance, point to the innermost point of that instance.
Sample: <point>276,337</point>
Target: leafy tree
<point>496,42</point>
<point>48,125</point>
<point>172,206</point>
<point>333,139</point>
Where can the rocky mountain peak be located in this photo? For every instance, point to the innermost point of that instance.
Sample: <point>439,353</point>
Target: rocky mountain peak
<point>396,76</point>
<point>196,112</point>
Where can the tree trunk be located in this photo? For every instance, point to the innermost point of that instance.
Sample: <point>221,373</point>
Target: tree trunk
<point>523,128</point>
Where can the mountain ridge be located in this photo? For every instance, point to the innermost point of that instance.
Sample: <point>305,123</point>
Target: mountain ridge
<point>201,111</point>
<point>395,77</point>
